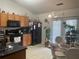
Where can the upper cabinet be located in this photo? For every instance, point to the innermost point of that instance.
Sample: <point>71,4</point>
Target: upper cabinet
<point>27,21</point>
<point>24,21</point>
<point>11,16</point>
<point>17,17</point>
<point>3,19</point>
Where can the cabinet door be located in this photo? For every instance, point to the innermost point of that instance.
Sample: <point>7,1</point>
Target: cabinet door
<point>27,21</point>
<point>24,21</point>
<point>4,19</point>
<point>27,39</point>
<point>11,16</point>
<point>17,17</point>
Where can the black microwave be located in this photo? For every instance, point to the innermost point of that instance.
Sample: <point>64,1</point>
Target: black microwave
<point>13,23</point>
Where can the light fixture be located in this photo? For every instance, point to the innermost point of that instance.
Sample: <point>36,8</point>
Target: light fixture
<point>49,16</point>
<point>52,15</point>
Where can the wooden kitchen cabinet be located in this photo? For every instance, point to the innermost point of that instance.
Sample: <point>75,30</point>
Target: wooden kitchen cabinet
<point>27,39</point>
<point>11,16</point>
<point>17,17</point>
<point>27,21</point>
<point>16,53</point>
<point>3,19</point>
<point>24,21</point>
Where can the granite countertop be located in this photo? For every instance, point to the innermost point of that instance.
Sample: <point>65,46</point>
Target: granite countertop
<point>11,50</point>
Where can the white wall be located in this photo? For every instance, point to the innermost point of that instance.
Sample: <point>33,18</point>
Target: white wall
<point>63,13</point>
<point>10,6</point>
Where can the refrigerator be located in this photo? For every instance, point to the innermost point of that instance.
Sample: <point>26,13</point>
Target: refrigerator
<point>36,32</point>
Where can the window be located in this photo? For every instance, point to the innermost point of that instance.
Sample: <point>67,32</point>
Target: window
<point>55,30</point>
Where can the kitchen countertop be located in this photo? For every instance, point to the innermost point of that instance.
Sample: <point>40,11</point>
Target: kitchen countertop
<point>9,51</point>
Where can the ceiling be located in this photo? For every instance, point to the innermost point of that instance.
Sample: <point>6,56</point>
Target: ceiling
<point>44,6</point>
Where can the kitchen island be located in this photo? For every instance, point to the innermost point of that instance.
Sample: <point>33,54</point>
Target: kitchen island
<point>17,52</point>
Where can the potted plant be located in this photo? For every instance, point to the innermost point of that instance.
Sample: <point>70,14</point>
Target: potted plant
<point>47,32</point>
<point>47,37</point>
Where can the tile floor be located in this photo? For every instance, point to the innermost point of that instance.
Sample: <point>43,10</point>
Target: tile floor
<point>38,52</point>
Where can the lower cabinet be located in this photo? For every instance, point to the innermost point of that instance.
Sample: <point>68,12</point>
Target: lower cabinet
<point>3,19</point>
<point>16,55</point>
<point>27,39</point>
